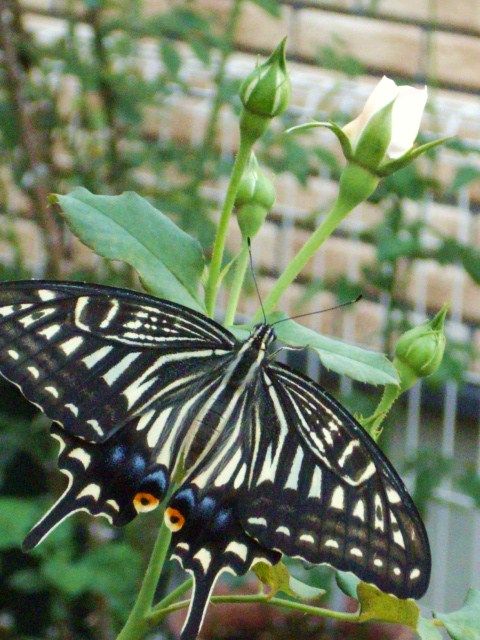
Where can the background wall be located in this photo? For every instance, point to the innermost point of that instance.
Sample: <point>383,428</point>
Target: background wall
<point>142,95</point>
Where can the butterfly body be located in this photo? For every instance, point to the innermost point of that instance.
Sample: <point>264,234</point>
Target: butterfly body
<point>140,387</point>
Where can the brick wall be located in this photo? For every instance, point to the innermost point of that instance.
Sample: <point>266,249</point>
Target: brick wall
<point>401,38</point>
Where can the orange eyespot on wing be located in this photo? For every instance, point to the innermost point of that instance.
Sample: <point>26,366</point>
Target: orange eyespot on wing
<point>144,502</point>
<point>174,519</point>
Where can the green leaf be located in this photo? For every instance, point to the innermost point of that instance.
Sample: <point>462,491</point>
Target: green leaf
<point>240,331</point>
<point>305,591</point>
<point>464,176</point>
<point>270,6</point>
<point>464,624</point>
<point>97,571</point>
<point>17,516</point>
<point>171,58</point>
<point>127,227</point>
<point>71,578</point>
<point>347,582</point>
<point>471,262</point>
<point>427,630</point>
<point>27,580</point>
<point>384,607</point>
<point>359,364</point>
<point>276,577</point>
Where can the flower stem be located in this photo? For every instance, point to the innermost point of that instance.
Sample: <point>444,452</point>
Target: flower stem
<point>329,224</point>
<point>138,622</point>
<point>240,163</point>
<point>241,265</point>
<point>373,423</point>
<point>159,613</point>
<point>173,596</point>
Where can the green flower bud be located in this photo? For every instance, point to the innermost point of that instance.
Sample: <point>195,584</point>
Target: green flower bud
<point>246,188</point>
<point>419,351</point>
<point>250,219</point>
<point>254,199</point>
<point>265,92</point>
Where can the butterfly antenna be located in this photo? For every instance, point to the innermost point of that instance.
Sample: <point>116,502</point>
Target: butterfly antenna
<point>255,280</point>
<point>312,313</point>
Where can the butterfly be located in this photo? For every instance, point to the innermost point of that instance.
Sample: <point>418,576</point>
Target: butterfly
<point>140,388</point>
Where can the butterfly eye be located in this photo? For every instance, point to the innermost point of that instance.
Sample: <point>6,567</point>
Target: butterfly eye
<point>174,519</point>
<point>144,502</point>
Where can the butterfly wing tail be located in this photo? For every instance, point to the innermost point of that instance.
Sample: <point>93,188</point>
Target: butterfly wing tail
<point>63,508</point>
<point>201,592</point>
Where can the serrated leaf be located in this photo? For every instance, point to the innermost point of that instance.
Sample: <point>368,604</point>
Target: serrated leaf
<point>427,630</point>
<point>384,607</point>
<point>359,364</point>
<point>276,577</point>
<point>347,582</point>
<point>127,227</point>
<point>464,624</point>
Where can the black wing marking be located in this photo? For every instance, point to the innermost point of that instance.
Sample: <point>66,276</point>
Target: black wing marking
<point>92,357</point>
<point>115,479</point>
<point>329,505</point>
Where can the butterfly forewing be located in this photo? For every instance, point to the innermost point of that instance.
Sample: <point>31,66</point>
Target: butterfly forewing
<point>92,357</point>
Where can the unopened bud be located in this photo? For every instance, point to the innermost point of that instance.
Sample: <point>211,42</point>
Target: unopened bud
<point>265,92</point>
<point>254,199</point>
<point>420,350</point>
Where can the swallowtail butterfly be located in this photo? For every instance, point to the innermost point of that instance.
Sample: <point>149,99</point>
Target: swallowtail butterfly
<point>136,386</point>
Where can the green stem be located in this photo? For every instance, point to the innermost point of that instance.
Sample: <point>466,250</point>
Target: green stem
<point>174,595</point>
<point>329,224</point>
<point>158,614</point>
<point>137,624</point>
<point>373,423</point>
<point>241,266</point>
<point>240,163</point>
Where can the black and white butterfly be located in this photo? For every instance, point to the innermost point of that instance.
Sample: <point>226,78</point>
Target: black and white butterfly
<point>137,386</point>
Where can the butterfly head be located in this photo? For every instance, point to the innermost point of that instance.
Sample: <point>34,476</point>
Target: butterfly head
<point>262,337</point>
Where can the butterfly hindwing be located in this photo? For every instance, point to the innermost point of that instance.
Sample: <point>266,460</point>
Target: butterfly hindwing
<point>298,503</point>
<point>210,542</point>
<point>92,357</point>
<point>116,479</point>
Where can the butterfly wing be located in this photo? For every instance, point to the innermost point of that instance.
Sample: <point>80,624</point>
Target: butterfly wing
<point>130,472</point>
<point>92,357</point>
<point>208,538</point>
<point>320,489</point>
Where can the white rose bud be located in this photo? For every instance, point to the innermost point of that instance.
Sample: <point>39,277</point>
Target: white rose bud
<point>408,105</point>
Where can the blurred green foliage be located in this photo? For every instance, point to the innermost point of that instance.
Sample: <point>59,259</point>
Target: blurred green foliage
<point>87,101</point>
